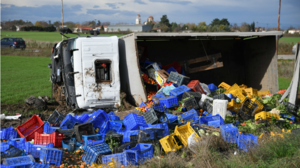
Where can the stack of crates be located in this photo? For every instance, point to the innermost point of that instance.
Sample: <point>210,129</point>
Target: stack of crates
<point>92,152</point>
<point>229,133</point>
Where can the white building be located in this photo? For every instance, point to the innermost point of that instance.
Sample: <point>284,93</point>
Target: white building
<point>138,19</point>
<point>293,31</point>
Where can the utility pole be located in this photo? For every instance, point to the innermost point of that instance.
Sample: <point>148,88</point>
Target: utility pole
<point>62,17</point>
<point>278,27</point>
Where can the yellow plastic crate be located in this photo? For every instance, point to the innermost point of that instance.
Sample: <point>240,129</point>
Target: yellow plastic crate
<point>242,86</point>
<point>224,85</point>
<point>233,106</point>
<point>232,88</point>
<point>169,143</point>
<point>260,106</point>
<point>266,116</point>
<point>183,132</point>
<point>111,164</point>
<point>239,95</point>
<point>251,92</point>
<point>263,92</point>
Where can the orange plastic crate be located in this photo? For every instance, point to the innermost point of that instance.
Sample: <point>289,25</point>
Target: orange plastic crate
<point>27,129</point>
<point>44,139</point>
<point>195,86</point>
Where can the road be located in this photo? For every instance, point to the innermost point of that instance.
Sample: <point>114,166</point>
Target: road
<point>286,56</point>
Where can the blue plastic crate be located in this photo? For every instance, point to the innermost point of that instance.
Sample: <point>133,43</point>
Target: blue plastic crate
<point>119,158</point>
<point>38,165</point>
<point>172,118</point>
<point>205,120</point>
<point>92,140</point>
<point>160,126</point>
<point>12,151</point>
<point>143,104</point>
<point>83,117</point>
<point>99,119</point>
<point>150,134</point>
<point>215,123</point>
<point>212,87</point>
<point>246,141</point>
<point>4,146</point>
<point>93,151</point>
<point>132,121</point>
<point>157,97</point>
<point>114,118</point>
<point>230,96</point>
<point>159,107</point>
<point>18,142</point>
<point>139,154</point>
<point>287,116</point>
<point>189,115</point>
<point>130,136</point>
<point>48,129</point>
<point>51,156</point>
<point>71,144</point>
<point>113,126</point>
<point>229,133</point>
<point>169,102</point>
<point>171,69</point>
<point>8,133</point>
<point>69,122</point>
<point>19,161</point>
<point>34,150</point>
<point>178,92</point>
<point>205,113</point>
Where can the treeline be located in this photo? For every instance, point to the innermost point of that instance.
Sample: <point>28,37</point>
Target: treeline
<point>38,28</point>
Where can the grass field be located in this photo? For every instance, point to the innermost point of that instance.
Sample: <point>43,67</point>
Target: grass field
<point>293,40</point>
<point>42,36</point>
<point>22,77</point>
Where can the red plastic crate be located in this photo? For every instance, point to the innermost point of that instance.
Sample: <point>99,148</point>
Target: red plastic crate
<point>195,86</point>
<point>44,139</point>
<point>27,129</point>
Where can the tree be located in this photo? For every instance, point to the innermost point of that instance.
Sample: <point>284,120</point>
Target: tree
<point>216,21</point>
<point>102,28</point>
<point>173,26</point>
<point>150,23</point>
<point>98,23</point>
<point>245,27</point>
<point>164,20</point>
<point>224,22</point>
<point>38,24</point>
<point>252,26</point>
<point>49,22</point>
<point>202,26</point>
<point>57,23</point>
<point>163,27</point>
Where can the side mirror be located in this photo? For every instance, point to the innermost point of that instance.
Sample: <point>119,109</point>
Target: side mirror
<point>50,66</point>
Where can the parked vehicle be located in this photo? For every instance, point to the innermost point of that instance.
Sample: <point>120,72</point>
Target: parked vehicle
<point>294,49</point>
<point>13,43</point>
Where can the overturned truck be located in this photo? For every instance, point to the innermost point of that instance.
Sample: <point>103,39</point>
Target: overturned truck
<point>90,72</point>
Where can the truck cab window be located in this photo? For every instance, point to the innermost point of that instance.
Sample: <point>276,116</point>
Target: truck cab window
<point>103,71</point>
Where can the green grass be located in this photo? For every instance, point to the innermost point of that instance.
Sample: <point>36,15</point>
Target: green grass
<point>22,77</point>
<point>293,40</point>
<point>43,36</point>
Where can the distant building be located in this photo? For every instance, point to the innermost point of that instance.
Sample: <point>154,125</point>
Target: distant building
<point>133,28</point>
<point>150,19</point>
<point>82,29</point>
<point>138,19</point>
<point>99,28</point>
<point>258,29</point>
<point>293,31</point>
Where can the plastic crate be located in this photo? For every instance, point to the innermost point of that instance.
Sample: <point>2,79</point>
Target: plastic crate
<point>83,129</point>
<point>178,79</point>
<point>161,76</point>
<point>232,88</point>
<point>149,134</point>
<point>138,154</point>
<point>55,118</point>
<point>27,129</point>
<point>113,126</point>
<point>150,116</point>
<point>99,119</point>
<point>12,151</point>
<point>132,121</point>
<point>34,150</point>
<point>169,102</point>
<point>161,126</point>
<point>171,69</point>
<point>92,140</point>
<point>118,158</point>
<point>4,146</point>
<point>19,161</point>
<point>92,152</point>
<point>229,133</point>
<point>222,97</point>
<point>83,117</point>
<point>48,129</point>
<point>71,144</point>
<point>220,107</point>
<point>239,95</point>
<point>212,87</point>
<point>18,142</point>
<point>114,118</point>
<point>195,86</point>
<point>51,156</point>
<point>290,117</point>
<point>169,143</point>
<point>69,122</point>
<point>178,92</point>
<point>154,65</point>
<point>8,133</point>
<point>172,118</point>
<point>196,95</point>
<point>157,97</point>
<point>191,103</point>
<point>207,119</point>
<point>189,115</point>
<point>263,92</point>
<point>248,109</point>
<point>260,106</point>
<point>38,165</point>
<point>291,108</point>
<point>183,132</point>
<point>246,141</point>
<point>68,133</point>
<point>251,92</point>
<point>130,136</point>
<point>118,138</point>
<point>45,139</point>
<point>224,85</point>
<point>266,116</point>
<point>110,164</point>
<point>159,107</point>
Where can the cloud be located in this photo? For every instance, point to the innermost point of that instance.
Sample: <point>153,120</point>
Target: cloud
<point>139,2</point>
<point>121,3</point>
<point>112,5</point>
<point>172,2</point>
<point>76,7</point>
<point>110,12</point>
<point>96,6</point>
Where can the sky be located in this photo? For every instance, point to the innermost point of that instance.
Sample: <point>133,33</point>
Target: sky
<point>263,12</point>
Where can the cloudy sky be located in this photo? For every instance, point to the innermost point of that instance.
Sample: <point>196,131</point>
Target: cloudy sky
<point>265,12</point>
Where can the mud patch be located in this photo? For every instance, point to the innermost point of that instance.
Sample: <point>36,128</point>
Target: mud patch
<point>89,72</point>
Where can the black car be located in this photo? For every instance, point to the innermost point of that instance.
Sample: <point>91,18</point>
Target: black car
<point>13,43</point>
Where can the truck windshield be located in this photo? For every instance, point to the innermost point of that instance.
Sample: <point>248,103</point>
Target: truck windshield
<point>103,71</point>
